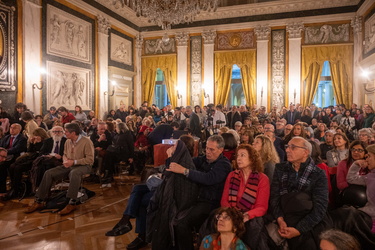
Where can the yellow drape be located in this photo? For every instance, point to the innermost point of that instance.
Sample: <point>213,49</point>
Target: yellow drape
<point>340,58</point>
<point>224,61</point>
<point>167,64</point>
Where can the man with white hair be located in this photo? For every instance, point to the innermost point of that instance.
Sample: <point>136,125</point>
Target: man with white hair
<point>299,196</point>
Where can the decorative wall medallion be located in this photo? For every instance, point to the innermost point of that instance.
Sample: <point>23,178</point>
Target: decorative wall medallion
<point>235,40</point>
<point>7,48</point>
<point>158,46</point>
<point>121,50</point>
<point>278,68</point>
<point>68,86</point>
<point>196,70</point>
<point>327,34</point>
<point>369,47</point>
<point>68,36</point>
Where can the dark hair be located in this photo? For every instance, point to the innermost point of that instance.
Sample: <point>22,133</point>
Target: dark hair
<point>38,116</point>
<point>237,219</point>
<point>350,160</point>
<point>254,157</point>
<point>230,141</point>
<point>343,136</point>
<point>73,127</point>
<point>110,126</point>
<point>189,143</point>
<point>41,132</point>
<point>62,109</point>
<point>80,109</point>
<point>27,116</point>
<point>316,152</point>
<point>340,240</point>
<point>175,125</point>
<point>20,105</point>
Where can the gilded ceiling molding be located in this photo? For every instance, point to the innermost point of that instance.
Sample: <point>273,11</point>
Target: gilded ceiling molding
<point>209,36</point>
<point>356,24</point>
<point>263,32</point>
<point>103,24</point>
<point>295,30</point>
<point>182,38</point>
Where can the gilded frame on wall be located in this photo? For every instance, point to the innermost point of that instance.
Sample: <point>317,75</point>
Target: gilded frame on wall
<point>7,48</point>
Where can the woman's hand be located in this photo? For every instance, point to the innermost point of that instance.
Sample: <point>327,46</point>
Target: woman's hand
<point>246,217</point>
<point>176,168</point>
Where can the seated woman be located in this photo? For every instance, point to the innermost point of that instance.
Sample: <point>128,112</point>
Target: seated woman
<point>297,130</point>
<point>138,202</point>
<point>230,227</point>
<point>268,153</point>
<point>355,177</point>
<point>340,150</point>
<point>230,146</point>
<point>357,151</point>
<point>248,190</point>
<point>122,149</point>
<point>24,162</point>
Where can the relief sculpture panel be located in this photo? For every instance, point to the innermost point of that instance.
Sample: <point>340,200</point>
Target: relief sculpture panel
<point>369,46</point>
<point>235,40</point>
<point>158,46</point>
<point>327,34</point>
<point>68,86</point>
<point>121,50</point>
<point>68,36</point>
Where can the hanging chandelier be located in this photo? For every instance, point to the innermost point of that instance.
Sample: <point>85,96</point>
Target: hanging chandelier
<point>170,12</point>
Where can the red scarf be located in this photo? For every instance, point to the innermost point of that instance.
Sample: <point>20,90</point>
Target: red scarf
<point>249,196</point>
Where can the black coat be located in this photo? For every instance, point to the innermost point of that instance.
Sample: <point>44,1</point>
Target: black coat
<point>48,146</point>
<point>195,125</point>
<point>124,143</point>
<point>19,145</point>
<point>236,118</point>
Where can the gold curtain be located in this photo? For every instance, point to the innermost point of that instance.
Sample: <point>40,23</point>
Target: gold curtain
<point>340,58</point>
<point>224,61</point>
<point>167,64</point>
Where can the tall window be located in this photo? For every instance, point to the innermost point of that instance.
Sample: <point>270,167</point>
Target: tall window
<point>236,96</point>
<point>160,95</point>
<point>324,96</point>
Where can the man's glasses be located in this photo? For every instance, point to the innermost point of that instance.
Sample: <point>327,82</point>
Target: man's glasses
<point>221,216</point>
<point>293,147</point>
<point>359,150</point>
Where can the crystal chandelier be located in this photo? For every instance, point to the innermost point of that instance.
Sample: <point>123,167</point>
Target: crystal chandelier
<point>167,12</point>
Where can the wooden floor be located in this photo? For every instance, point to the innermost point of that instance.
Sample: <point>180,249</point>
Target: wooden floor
<point>83,229</point>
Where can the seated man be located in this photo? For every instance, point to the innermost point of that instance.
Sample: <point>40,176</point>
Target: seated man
<point>211,173</point>
<point>77,161</point>
<point>15,143</point>
<point>299,196</point>
<point>51,155</point>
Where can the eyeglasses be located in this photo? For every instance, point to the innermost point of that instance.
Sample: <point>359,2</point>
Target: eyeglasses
<point>293,147</point>
<point>56,132</point>
<point>359,150</point>
<point>221,216</point>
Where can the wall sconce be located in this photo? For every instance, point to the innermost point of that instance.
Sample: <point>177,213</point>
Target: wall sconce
<point>178,95</point>
<point>113,89</point>
<point>35,86</point>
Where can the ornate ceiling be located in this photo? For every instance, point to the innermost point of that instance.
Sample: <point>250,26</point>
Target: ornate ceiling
<point>237,11</point>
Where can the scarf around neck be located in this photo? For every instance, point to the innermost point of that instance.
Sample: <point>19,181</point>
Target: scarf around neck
<point>247,201</point>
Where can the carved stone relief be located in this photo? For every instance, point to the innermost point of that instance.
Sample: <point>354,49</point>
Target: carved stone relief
<point>103,24</point>
<point>158,46</point>
<point>196,69</point>
<point>356,24</point>
<point>68,86</point>
<point>7,49</point>
<point>295,30</point>
<point>121,50</point>
<point>369,34</point>
<point>278,68</point>
<point>235,40</point>
<point>68,36</point>
<point>209,36</point>
<point>262,32</point>
<point>327,34</point>
<point>182,38</point>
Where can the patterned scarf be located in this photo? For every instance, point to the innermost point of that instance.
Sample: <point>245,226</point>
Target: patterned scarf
<point>250,194</point>
<point>303,182</point>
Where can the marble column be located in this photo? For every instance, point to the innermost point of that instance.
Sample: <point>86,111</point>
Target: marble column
<point>138,65</point>
<point>32,46</point>
<point>182,39</point>
<point>358,92</point>
<point>208,65</point>
<point>295,51</point>
<point>263,35</point>
<point>103,27</point>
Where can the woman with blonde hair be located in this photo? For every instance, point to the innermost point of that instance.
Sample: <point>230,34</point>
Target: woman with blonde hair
<point>268,153</point>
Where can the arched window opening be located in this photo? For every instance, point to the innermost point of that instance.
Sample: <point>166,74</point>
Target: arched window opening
<point>236,95</point>
<point>161,94</point>
<point>324,96</point>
